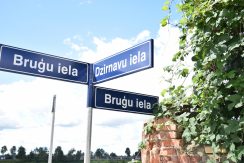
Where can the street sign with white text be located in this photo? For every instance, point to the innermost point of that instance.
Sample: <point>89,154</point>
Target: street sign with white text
<point>118,100</point>
<point>28,62</point>
<point>134,59</point>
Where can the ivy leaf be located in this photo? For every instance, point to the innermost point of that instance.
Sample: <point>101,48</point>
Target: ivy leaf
<point>226,161</point>
<point>240,152</point>
<point>164,21</point>
<point>207,20</point>
<point>234,43</point>
<point>218,137</point>
<point>212,57</point>
<point>241,121</point>
<point>238,105</point>
<point>232,127</point>
<point>195,58</point>
<point>183,21</point>
<point>232,147</point>
<point>184,72</point>
<point>164,91</point>
<point>235,138</point>
<point>179,7</point>
<point>192,121</point>
<point>165,8</point>
<point>234,98</point>
<point>167,2</point>
<point>231,74</point>
<point>176,56</point>
<point>148,128</point>
<point>231,106</point>
<point>186,134</point>
<point>218,22</point>
<point>212,137</point>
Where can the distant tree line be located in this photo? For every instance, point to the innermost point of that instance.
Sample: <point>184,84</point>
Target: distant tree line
<point>41,154</point>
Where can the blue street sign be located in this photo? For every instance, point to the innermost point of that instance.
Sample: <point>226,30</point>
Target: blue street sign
<point>136,58</point>
<point>38,64</point>
<point>123,101</point>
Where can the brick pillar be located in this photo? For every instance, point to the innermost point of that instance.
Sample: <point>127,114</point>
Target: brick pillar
<point>165,144</point>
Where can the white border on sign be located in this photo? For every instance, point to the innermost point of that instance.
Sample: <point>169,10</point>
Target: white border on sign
<point>1,51</point>
<point>51,77</point>
<point>150,50</point>
<point>112,109</point>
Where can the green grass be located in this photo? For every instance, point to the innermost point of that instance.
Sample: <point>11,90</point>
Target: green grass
<point>81,161</point>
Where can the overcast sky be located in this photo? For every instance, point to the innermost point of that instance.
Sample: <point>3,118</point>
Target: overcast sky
<point>84,30</point>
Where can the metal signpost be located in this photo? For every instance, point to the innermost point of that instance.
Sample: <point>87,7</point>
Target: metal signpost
<point>43,65</point>
<point>52,130</point>
<point>134,59</point>
<point>116,100</point>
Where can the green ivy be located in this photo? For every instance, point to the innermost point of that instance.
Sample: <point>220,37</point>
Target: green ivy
<point>148,128</point>
<point>142,145</point>
<point>211,108</point>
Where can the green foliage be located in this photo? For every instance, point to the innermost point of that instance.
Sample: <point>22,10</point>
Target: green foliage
<point>4,149</point>
<point>41,153</point>
<point>21,153</point>
<point>80,161</point>
<point>101,154</point>
<point>71,154</point>
<point>127,152</point>
<point>211,109</point>
<point>58,154</point>
<point>148,128</point>
<point>142,145</point>
<point>13,151</point>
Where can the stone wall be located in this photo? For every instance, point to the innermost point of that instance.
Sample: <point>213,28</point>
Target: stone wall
<point>164,144</point>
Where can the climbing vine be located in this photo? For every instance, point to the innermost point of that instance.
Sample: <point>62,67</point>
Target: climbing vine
<point>211,107</point>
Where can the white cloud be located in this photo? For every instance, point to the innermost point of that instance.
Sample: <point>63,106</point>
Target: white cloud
<point>26,105</point>
<point>8,123</point>
<point>83,2</point>
<point>103,48</point>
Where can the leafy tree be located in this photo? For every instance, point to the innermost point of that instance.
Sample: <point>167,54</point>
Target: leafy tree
<point>106,155</point>
<point>8,156</point>
<point>137,154</point>
<point>58,154</point>
<point>4,149</point>
<point>13,152</point>
<point>21,153</point>
<point>41,153</point>
<point>79,155</point>
<point>71,154</point>
<point>31,156</point>
<point>113,155</point>
<point>127,152</point>
<point>100,153</point>
<point>211,109</point>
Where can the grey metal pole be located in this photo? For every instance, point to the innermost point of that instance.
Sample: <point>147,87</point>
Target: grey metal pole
<point>52,130</point>
<point>88,136</point>
<point>90,99</point>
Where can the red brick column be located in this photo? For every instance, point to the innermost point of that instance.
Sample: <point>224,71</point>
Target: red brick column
<point>165,144</point>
